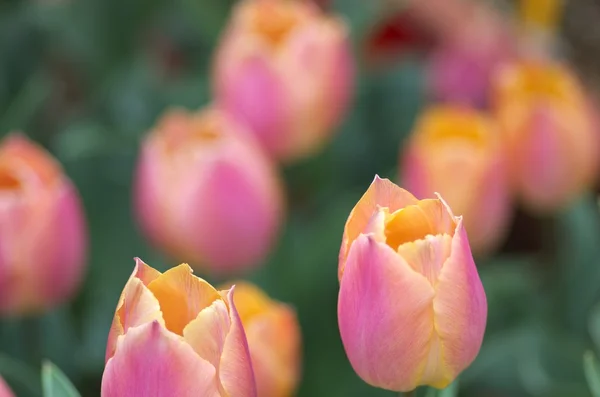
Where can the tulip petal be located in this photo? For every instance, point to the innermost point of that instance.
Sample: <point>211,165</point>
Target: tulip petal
<point>274,343</point>
<point>144,272</point>
<point>428,217</point>
<point>386,339</point>
<point>4,389</point>
<point>62,240</point>
<point>236,373</point>
<point>207,332</point>
<point>254,77</point>
<point>427,256</point>
<point>381,193</point>
<point>152,362</point>
<point>136,306</point>
<point>240,211</point>
<point>181,296</point>
<point>460,310</point>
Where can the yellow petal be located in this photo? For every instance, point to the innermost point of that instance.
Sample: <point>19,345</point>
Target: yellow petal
<point>181,296</point>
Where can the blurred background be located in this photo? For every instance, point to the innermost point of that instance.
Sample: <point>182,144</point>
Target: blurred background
<point>87,79</point>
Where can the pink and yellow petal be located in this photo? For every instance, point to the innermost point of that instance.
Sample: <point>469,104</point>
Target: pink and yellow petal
<point>460,309</point>
<point>136,306</point>
<point>207,332</point>
<point>386,339</point>
<point>381,193</point>
<point>235,371</point>
<point>151,361</point>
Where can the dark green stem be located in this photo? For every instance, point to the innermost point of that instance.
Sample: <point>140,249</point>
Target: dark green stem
<point>410,393</point>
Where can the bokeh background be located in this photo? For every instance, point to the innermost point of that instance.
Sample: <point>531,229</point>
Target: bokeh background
<point>87,79</point>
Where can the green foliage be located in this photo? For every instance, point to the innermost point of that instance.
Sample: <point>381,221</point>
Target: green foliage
<point>55,383</point>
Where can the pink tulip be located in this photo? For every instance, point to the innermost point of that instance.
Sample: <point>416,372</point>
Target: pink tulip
<point>548,126</point>
<point>4,389</point>
<point>173,334</point>
<point>42,230</point>
<point>457,152</point>
<point>205,191</point>
<point>285,70</point>
<point>411,307</point>
<point>273,338</point>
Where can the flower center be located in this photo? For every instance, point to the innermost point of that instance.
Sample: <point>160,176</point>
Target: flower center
<point>443,125</point>
<point>8,181</point>
<point>274,20</point>
<point>415,222</point>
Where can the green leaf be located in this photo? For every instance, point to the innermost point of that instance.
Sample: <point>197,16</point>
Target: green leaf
<point>592,372</point>
<point>55,383</point>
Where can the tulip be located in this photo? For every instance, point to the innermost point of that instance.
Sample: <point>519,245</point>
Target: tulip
<point>411,307</point>
<point>42,230</point>
<point>4,389</point>
<point>273,336</point>
<point>205,191</point>
<point>285,70</point>
<point>458,152</point>
<point>474,40</point>
<point>173,334</point>
<point>551,137</point>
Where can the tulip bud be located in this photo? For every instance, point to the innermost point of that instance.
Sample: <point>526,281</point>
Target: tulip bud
<point>273,336</point>
<point>4,389</point>
<point>457,152</point>
<point>411,307</point>
<point>285,70</point>
<point>547,124</point>
<point>205,191</point>
<point>173,334</point>
<point>42,231</point>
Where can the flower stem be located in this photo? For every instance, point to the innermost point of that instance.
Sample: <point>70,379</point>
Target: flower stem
<point>409,393</point>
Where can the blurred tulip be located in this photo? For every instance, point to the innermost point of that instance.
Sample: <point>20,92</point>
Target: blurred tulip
<point>285,70</point>
<point>205,191</point>
<point>42,230</point>
<point>173,334</point>
<point>552,139</point>
<point>273,336</point>
<point>411,308</point>
<point>4,389</point>
<point>541,14</point>
<point>457,152</point>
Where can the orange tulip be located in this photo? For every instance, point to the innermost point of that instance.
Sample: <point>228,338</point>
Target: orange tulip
<point>458,152</point>
<point>552,140</point>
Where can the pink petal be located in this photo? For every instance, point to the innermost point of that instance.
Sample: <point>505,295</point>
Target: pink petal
<point>460,308</point>
<point>150,361</point>
<point>385,316</point>
<point>381,193</point>
<point>63,243</point>
<point>237,375</point>
<point>4,389</point>
<point>238,204</point>
<point>136,306</point>
<point>250,75</point>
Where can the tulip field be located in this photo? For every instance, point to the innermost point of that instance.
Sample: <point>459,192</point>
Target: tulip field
<point>278,198</point>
